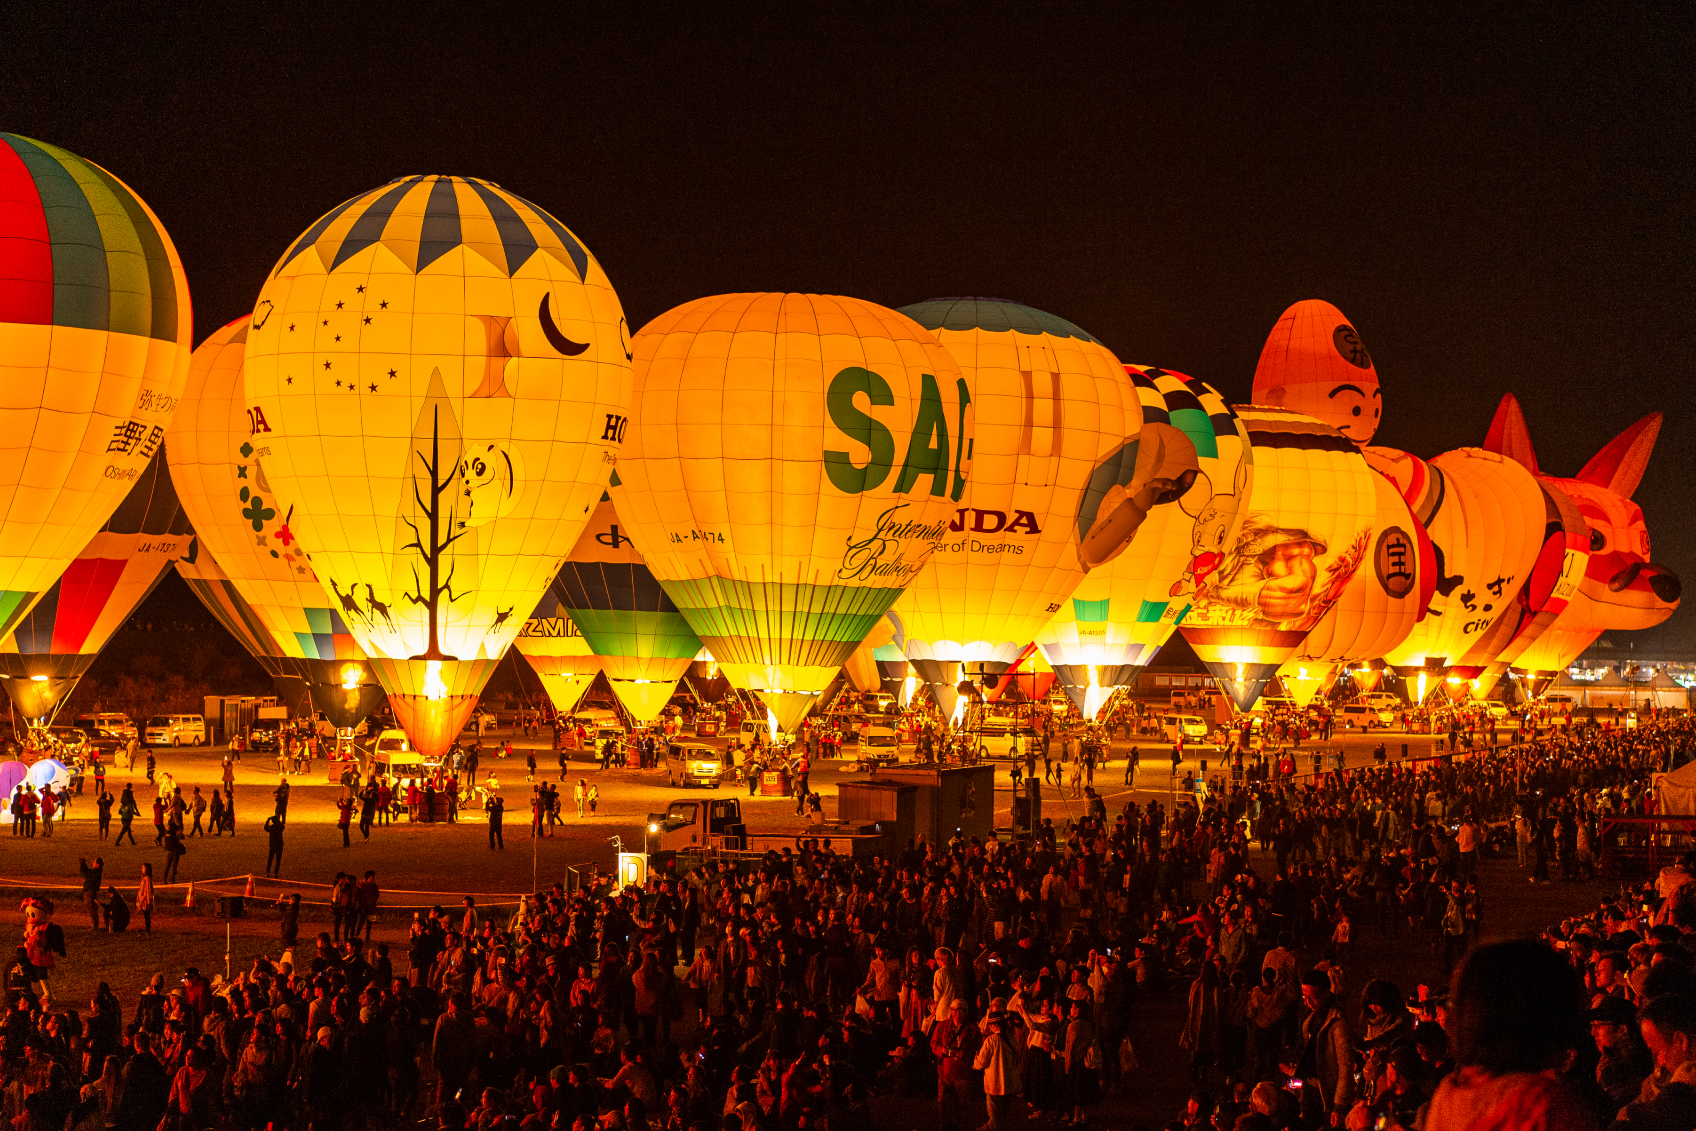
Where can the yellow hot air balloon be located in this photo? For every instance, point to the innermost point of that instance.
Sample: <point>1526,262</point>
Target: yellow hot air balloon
<point>1307,529</point>
<point>556,648</point>
<point>1486,528</point>
<point>643,643</point>
<point>790,462</point>
<point>1051,493</point>
<point>1123,611</point>
<point>1379,607</point>
<point>94,342</point>
<point>440,382</point>
<point>252,570</point>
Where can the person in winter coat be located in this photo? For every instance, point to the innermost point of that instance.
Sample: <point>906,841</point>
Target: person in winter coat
<point>998,1060</point>
<point>1327,1049</point>
<point>1201,1034</point>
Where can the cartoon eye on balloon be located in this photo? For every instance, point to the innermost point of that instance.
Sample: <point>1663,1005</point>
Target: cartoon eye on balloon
<point>556,339</point>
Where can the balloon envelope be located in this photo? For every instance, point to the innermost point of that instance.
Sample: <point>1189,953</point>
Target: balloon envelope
<point>1314,363</point>
<point>95,329</point>
<point>1308,528</point>
<point>1054,454</point>
<point>438,373</point>
<point>1124,610</point>
<point>790,463</point>
<point>251,567</point>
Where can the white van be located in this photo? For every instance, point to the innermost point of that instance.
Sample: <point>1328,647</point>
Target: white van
<point>175,730</point>
<point>693,763</point>
<point>1363,716</point>
<point>1382,701</point>
<point>1191,727</point>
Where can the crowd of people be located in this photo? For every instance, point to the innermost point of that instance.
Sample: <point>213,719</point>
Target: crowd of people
<point>994,982</point>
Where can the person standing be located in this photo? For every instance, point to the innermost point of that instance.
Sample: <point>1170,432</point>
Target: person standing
<point>344,818</point>
<point>215,817</point>
<point>198,808</point>
<point>49,806</point>
<point>103,807</point>
<point>144,898</point>
<point>158,817</point>
<point>175,850</point>
<point>594,797</point>
<point>128,811</point>
<point>367,808</point>
<point>1132,764</point>
<point>91,887</point>
<point>274,856</point>
<point>365,897</point>
<point>289,927</point>
<point>496,808</point>
<point>99,774</point>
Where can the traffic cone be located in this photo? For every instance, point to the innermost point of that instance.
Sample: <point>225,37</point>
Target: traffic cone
<point>189,901</point>
<point>249,892</point>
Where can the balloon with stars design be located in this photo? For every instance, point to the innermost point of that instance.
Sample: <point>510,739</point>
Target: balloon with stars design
<point>441,373</point>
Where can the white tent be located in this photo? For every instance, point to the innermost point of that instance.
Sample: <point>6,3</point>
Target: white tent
<point>1676,792</point>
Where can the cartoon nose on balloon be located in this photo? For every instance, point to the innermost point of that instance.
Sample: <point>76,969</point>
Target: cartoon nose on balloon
<point>1663,582</point>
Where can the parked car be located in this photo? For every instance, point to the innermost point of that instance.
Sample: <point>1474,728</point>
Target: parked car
<point>107,724</point>
<point>263,737</point>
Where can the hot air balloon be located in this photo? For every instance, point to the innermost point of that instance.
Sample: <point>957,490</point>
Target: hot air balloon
<point>1622,586</point>
<point>94,341</point>
<point>1307,528</point>
<point>440,382</point>
<point>557,649</point>
<point>643,642</point>
<point>57,641</point>
<point>1554,579</point>
<point>1123,611</point>
<point>1379,607</point>
<point>251,568</point>
<point>1051,493</point>
<point>1314,363</point>
<point>790,463</point>
<point>1486,526</point>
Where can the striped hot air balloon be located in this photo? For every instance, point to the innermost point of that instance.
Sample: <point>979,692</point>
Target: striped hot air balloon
<point>642,642</point>
<point>252,570</point>
<point>791,461</point>
<point>1306,530</point>
<point>94,340</point>
<point>54,645</point>
<point>1123,611</point>
<point>440,377</point>
<point>1051,493</point>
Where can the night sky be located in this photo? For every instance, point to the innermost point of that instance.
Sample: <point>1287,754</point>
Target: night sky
<point>1499,200</point>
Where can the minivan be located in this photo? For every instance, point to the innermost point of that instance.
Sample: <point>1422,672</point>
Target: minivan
<point>175,730</point>
<point>1361,715</point>
<point>1189,726</point>
<point>107,724</point>
<point>692,763</point>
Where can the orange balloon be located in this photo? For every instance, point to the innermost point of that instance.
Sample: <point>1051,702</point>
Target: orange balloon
<point>1314,363</point>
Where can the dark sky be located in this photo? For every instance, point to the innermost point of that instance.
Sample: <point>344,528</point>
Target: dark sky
<point>1499,198</point>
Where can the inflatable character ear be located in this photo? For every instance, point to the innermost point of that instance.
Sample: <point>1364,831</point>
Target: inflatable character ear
<point>1165,468</point>
<point>1198,496</point>
<point>1508,435</point>
<point>1619,467</point>
<point>494,479</point>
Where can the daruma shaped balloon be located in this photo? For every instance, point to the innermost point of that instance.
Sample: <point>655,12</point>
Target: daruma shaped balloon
<point>1314,363</point>
<point>790,463</point>
<point>1057,428</point>
<point>1306,530</point>
<point>555,647</point>
<point>58,640</point>
<point>643,642</point>
<point>1123,611</point>
<point>1621,586</point>
<point>1486,529</point>
<point>252,569</point>
<point>1379,606</point>
<point>439,382</point>
<point>94,340</point>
